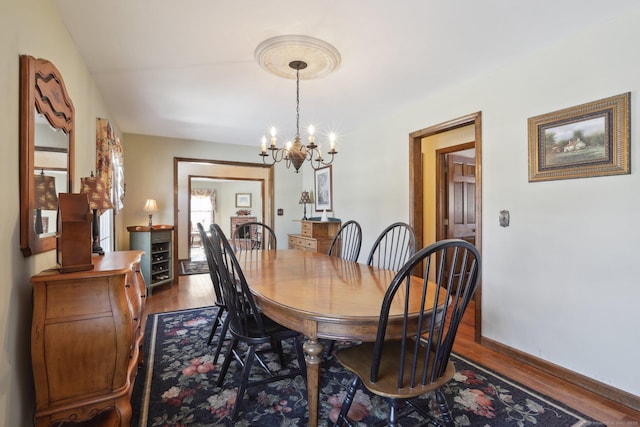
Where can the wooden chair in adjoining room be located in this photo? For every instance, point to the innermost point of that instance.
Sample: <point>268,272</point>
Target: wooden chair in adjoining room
<point>347,241</point>
<point>254,236</point>
<point>403,369</point>
<point>248,325</point>
<point>393,247</point>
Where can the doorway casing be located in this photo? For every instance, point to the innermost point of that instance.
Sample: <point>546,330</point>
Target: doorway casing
<point>217,169</point>
<point>416,182</point>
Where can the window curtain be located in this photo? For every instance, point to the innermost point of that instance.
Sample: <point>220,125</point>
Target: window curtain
<point>211,194</point>
<point>110,162</point>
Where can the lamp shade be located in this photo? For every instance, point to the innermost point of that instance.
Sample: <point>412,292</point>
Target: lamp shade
<point>45,192</point>
<point>305,198</point>
<point>151,206</point>
<point>96,190</point>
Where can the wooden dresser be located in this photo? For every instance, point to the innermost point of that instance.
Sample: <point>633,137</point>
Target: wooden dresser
<point>314,236</point>
<point>85,341</point>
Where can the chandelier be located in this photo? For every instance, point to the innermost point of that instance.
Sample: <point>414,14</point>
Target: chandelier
<point>281,55</point>
<point>296,153</point>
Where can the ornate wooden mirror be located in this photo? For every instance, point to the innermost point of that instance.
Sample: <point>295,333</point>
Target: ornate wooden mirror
<point>46,152</point>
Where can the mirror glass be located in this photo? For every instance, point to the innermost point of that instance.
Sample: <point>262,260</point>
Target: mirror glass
<point>46,152</point>
<point>50,158</point>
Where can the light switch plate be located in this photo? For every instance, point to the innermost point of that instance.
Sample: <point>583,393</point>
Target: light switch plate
<point>503,218</point>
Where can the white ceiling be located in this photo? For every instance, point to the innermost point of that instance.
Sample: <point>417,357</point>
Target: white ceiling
<point>186,69</point>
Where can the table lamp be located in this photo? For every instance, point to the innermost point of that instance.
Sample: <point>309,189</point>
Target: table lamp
<point>304,199</point>
<point>45,198</point>
<point>99,198</point>
<point>151,206</point>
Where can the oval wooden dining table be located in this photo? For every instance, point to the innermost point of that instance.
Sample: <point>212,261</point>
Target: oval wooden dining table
<point>321,297</point>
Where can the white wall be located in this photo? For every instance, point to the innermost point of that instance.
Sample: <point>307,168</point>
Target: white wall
<point>31,27</point>
<point>560,282</point>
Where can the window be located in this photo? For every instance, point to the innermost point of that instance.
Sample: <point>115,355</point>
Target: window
<point>201,211</point>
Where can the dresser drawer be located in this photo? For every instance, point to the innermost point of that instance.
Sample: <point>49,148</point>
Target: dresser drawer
<point>300,242</point>
<point>306,229</point>
<point>160,236</point>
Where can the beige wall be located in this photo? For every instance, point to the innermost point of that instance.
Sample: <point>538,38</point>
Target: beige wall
<point>31,27</point>
<point>152,177</point>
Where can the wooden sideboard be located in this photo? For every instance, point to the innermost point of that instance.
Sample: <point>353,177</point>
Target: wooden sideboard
<point>85,341</point>
<point>314,236</point>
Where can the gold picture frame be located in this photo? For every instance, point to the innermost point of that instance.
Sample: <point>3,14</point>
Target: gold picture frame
<point>584,141</point>
<point>243,200</point>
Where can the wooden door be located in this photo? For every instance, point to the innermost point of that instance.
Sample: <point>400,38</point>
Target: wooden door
<point>461,198</point>
<point>461,201</point>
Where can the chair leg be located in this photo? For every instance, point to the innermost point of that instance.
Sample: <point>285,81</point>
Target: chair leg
<point>223,334</point>
<point>227,361</point>
<point>244,381</point>
<point>329,348</point>
<point>214,327</point>
<point>263,364</point>
<point>302,364</point>
<point>276,345</point>
<point>393,412</point>
<point>346,403</point>
<point>444,409</point>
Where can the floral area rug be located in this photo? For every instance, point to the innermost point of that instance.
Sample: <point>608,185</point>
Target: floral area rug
<point>176,387</point>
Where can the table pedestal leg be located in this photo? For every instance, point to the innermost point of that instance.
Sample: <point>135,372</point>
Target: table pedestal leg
<point>313,349</point>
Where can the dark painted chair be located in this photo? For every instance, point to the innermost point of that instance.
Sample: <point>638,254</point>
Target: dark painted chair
<point>347,241</point>
<point>402,370</point>
<point>249,326</point>
<point>393,247</point>
<point>219,301</point>
<point>254,236</point>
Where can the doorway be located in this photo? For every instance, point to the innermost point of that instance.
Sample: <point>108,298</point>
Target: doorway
<point>185,168</point>
<point>213,201</point>
<point>425,193</point>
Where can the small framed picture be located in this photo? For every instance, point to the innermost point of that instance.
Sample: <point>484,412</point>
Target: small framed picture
<point>583,141</point>
<point>323,189</point>
<point>243,200</point>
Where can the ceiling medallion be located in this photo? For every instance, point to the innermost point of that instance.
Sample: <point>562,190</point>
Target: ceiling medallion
<point>275,55</point>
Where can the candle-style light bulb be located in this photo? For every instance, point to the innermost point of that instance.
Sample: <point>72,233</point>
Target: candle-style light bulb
<point>264,144</point>
<point>311,137</point>
<point>332,141</point>
<point>273,136</point>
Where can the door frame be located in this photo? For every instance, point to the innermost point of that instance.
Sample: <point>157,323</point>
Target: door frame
<point>416,180</point>
<point>228,170</point>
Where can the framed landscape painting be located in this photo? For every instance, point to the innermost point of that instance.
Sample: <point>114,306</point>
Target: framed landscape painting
<point>583,141</point>
<point>243,200</point>
<point>323,189</point>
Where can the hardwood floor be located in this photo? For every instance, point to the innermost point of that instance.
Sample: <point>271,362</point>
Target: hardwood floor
<point>196,291</point>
